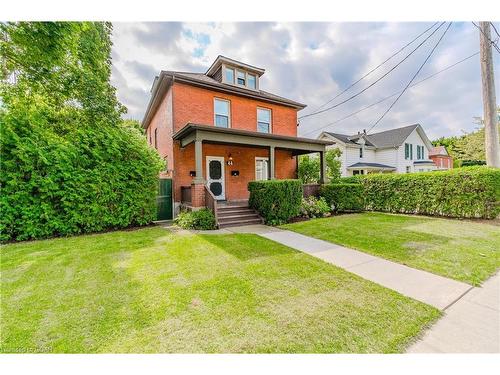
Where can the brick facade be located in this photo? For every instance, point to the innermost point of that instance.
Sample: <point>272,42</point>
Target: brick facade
<point>184,103</point>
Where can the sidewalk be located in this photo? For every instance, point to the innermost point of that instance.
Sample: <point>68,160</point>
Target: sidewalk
<point>471,325</point>
<point>423,286</point>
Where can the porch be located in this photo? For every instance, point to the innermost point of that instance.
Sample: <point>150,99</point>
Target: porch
<point>366,168</point>
<point>221,162</point>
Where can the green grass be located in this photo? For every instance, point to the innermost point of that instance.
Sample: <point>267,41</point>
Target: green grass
<point>150,290</point>
<point>462,250</point>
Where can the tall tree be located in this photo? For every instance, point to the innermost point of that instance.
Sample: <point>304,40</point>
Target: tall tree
<point>68,165</point>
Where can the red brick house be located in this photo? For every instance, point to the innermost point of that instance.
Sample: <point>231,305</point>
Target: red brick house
<point>440,157</point>
<point>218,130</point>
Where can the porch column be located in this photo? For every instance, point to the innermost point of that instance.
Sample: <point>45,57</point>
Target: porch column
<point>198,157</point>
<point>271,163</point>
<point>322,178</point>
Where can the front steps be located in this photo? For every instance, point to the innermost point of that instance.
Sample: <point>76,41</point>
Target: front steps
<point>234,215</point>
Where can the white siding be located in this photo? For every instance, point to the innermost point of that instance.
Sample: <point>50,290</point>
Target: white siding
<point>414,139</point>
<point>387,156</point>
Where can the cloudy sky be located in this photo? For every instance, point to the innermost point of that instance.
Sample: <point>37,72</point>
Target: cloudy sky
<point>312,63</point>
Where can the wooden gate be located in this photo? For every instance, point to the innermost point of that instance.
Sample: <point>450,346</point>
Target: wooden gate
<point>164,199</point>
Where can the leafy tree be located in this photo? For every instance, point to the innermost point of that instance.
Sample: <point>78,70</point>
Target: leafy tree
<point>309,166</point>
<point>68,165</point>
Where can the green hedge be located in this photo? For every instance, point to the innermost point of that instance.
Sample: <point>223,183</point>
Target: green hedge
<point>277,201</point>
<point>201,219</point>
<point>465,192</point>
<point>343,196</point>
<point>469,192</point>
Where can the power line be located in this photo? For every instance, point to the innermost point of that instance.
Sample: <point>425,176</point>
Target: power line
<point>494,28</point>
<point>492,42</point>
<point>378,66</point>
<point>394,94</point>
<point>376,81</point>
<point>412,78</point>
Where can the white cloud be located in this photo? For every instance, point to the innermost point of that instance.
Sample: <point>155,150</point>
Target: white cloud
<point>311,63</point>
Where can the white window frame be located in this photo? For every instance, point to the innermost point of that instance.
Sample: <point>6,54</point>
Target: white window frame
<point>260,158</point>
<point>247,80</point>
<point>236,78</point>
<point>224,67</point>
<point>270,119</point>
<point>228,112</point>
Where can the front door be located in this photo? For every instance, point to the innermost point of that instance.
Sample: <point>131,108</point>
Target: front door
<point>215,176</point>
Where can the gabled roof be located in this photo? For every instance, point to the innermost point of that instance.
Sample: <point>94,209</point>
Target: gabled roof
<point>438,150</point>
<point>385,139</point>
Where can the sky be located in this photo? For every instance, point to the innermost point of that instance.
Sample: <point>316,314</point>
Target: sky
<point>312,63</point>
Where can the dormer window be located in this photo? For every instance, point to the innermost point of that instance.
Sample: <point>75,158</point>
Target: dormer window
<point>229,75</point>
<point>251,81</point>
<point>241,78</point>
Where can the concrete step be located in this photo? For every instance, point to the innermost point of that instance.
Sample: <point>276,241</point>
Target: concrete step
<point>231,217</point>
<point>238,223</point>
<point>234,212</point>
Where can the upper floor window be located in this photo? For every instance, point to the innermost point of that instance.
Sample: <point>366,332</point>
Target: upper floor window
<point>251,81</point>
<point>229,75</point>
<point>156,138</point>
<point>263,120</point>
<point>420,152</point>
<point>408,151</point>
<point>361,152</point>
<point>222,113</point>
<point>240,78</point>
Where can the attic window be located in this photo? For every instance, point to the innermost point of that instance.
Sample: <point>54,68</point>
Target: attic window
<point>229,75</point>
<point>241,78</point>
<point>251,81</point>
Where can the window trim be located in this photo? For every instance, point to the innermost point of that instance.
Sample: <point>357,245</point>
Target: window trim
<point>244,77</point>
<point>247,80</point>
<point>270,119</point>
<point>228,112</point>
<point>224,68</point>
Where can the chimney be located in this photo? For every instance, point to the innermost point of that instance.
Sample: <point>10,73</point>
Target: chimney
<point>364,131</point>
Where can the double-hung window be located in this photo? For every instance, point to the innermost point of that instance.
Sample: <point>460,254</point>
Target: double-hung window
<point>263,120</point>
<point>361,152</point>
<point>240,78</point>
<point>222,113</point>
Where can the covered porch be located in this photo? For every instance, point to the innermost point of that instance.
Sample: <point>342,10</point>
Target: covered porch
<point>222,161</point>
<point>365,168</point>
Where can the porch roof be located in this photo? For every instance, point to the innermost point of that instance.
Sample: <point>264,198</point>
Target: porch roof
<point>209,133</point>
<point>371,166</point>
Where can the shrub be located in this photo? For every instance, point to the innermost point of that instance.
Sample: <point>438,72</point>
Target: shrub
<point>314,207</point>
<point>276,200</point>
<point>343,196</point>
<point>464,192</point>
<point>202,219</point>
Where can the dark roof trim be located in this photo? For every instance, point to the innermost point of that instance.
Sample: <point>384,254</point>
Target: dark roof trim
<point>371,165</point>
<point>423,162</point>
<point>190,127</point>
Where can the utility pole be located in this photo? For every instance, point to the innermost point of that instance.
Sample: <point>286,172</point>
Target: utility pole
<point>491,140</point>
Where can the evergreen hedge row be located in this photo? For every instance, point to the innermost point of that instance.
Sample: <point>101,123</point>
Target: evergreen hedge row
<point>343,196</point>
<point>472,192</point>
<point>277,201</point>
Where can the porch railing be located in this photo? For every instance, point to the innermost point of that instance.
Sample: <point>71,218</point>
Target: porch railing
<point>310,190</point>
<point>185,194</point>
<point>211,202</point>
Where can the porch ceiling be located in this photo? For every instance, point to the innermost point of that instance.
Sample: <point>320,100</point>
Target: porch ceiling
<point>208,133</point>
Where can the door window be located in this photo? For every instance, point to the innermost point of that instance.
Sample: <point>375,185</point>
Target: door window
<point>261,169</point>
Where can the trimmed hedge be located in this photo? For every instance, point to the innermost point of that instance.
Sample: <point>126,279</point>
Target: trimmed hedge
<point>465,192</point>
<point>470,192</point>
<point>343,196</point>
<point>277,201</point>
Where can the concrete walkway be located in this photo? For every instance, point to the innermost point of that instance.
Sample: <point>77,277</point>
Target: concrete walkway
<point>423,286</point>
<point>471,325</point>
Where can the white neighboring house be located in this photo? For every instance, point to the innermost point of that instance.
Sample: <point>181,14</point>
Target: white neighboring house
<point>401,150</point>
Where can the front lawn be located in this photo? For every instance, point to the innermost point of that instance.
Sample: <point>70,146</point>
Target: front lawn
<point>462,250</point>
<point>151,290</point>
